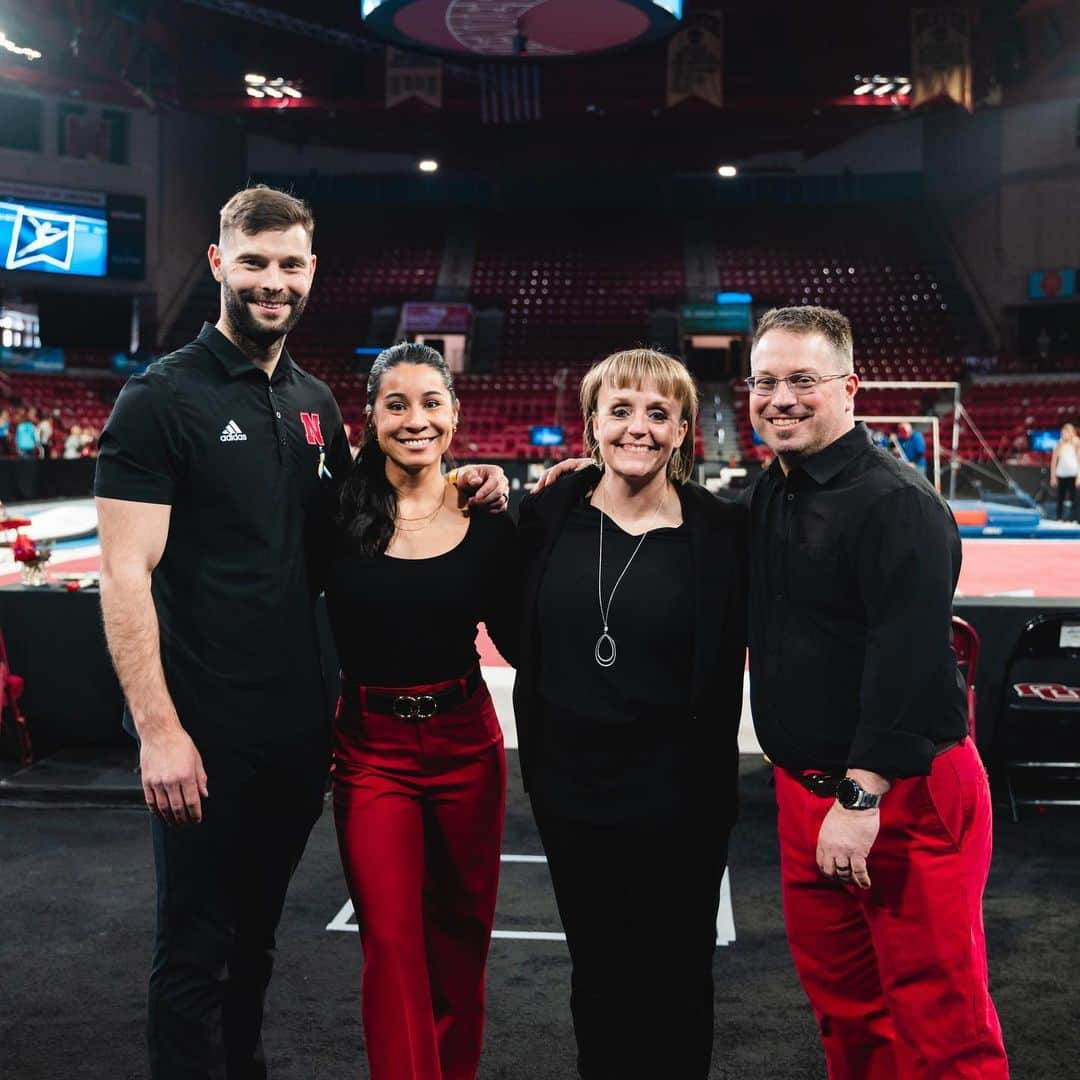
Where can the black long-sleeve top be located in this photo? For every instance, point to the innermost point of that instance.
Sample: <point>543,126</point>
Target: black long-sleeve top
<point>410,622</point>
<point>654,640</point>
<point>683,748</point>
<point>854,561</point>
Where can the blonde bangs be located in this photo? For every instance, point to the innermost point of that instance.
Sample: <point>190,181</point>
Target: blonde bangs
<point>634,369</point>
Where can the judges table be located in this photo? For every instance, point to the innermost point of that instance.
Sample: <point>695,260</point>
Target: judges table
<point>56,643</point>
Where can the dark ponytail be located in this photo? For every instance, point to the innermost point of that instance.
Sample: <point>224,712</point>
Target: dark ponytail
<point>367,502</point>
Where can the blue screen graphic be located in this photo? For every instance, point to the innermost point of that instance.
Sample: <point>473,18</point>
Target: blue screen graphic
<point>1044,440</point>
<point>546,435</point>
<point>53,238</point>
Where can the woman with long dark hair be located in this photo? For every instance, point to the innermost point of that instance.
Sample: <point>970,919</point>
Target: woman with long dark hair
<point>419,771</point>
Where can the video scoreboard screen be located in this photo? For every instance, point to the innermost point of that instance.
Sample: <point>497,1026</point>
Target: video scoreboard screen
<point>65,231</point>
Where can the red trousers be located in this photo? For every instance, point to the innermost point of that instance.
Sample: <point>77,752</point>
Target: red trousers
<point>897,974</point>
<point>419,807</point>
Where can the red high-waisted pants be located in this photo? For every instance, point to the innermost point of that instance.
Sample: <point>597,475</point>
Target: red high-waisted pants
<point>897,974</point>
<point>419,807</point>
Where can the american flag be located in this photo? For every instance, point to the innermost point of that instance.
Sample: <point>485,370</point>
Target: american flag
<point>509,93</point>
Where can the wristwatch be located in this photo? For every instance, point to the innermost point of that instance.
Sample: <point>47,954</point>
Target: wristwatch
<point>852,796</point>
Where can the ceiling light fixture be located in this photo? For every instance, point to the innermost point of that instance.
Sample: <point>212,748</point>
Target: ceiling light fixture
<point>278,87</point>
<point>428,165</point>
<point>727,171</point>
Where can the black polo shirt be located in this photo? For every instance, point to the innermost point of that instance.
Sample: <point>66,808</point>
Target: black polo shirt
<point>247,464</point>
<point>854,561</point>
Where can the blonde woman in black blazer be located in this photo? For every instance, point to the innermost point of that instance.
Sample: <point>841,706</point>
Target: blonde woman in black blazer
<point>627,702</point>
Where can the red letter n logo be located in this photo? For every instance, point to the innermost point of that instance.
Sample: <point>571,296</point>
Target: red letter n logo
<point>312,428</point>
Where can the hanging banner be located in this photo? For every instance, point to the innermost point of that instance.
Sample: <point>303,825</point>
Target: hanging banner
<point>696,61</point>
<point>410,75</point>
<point>941,56</point>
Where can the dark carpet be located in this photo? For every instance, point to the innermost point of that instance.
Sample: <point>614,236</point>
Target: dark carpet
<point>76,906</point>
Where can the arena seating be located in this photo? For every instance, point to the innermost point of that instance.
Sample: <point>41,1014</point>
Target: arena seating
<point>570,295</point>
<point>896,302</point>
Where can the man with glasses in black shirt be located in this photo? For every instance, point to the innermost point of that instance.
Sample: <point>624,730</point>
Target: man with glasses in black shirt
<point>884,808</point>
<point>214,490</point>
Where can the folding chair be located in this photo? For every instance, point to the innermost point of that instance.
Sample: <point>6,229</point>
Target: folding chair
<point>965,643</point>
<point>1039,725</point>
<point>11,688</point>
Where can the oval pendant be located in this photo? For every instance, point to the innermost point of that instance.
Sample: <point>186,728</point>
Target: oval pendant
<point>605,654</point>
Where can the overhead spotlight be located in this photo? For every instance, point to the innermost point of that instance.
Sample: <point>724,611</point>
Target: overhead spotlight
<point>291,91</point>
<point>18,50</point>
<point>272,91</point>
<point>863,88</point>
<point>254,80</point>
<point>277,82</point>
<point>428,165</point>
<point>903,89</point>
<point>883,89</point>
<point>727,171</point>
<point>255,92</point>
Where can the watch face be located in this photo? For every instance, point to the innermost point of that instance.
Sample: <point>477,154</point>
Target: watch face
<point>847,792</point>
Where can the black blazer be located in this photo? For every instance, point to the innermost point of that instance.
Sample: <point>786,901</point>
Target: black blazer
<point>718,540</point>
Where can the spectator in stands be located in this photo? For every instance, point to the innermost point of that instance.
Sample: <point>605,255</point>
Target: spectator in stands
<point>419,768</point>
<point>73,444</point>
<point>26,436</point>
<point>912,446</point>
<point>222,456</point>
<point>90,441</point>
<point>59,436</point>
<point>627,717</point>
<point>1064,466</point>
<point>884,809</point>
<point>5,432</point>
<point>44,435</point>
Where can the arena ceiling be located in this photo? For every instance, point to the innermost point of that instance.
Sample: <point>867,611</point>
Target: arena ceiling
<point>789,70</point>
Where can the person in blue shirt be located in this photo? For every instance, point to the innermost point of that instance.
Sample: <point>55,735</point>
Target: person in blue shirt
<point>26,437</point>
<point>912,446</point>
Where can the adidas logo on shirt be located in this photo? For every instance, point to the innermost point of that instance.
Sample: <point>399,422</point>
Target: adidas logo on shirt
<point>232,433</point>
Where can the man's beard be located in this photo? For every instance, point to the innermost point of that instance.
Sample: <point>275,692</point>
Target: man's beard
<point>244,322</point>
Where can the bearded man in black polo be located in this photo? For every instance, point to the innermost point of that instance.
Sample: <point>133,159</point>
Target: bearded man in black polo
<point>215,472</point>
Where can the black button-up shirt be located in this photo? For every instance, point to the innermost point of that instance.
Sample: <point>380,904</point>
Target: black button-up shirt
<point>247,464</point>
<point>854,560</point>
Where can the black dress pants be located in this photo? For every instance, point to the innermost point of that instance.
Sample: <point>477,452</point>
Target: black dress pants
<point>221,888</point>
<point>638,903</point>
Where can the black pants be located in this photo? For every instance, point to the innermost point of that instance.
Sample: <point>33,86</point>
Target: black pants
<point>221,888</point>
<point>638,904</point>
<point>1066,490</point>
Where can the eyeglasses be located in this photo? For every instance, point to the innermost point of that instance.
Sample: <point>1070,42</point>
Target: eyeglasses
<point>805,382</point>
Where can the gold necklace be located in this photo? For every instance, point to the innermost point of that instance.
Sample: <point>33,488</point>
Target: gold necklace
<point>427,519</point>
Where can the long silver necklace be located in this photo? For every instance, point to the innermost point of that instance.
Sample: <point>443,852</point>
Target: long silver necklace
<point>605,651</point>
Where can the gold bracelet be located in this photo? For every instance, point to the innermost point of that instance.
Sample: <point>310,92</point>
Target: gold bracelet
<point>451,477</point>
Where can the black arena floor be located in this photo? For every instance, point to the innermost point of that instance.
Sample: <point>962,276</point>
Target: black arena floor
<point>76,911</point>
